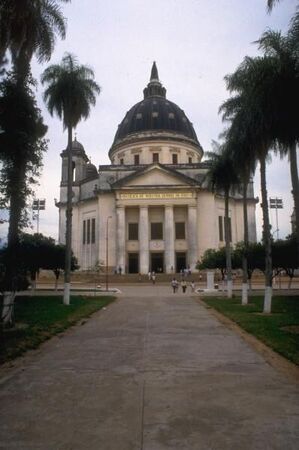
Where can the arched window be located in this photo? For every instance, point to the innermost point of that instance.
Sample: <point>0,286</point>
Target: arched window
<point>73,171</point>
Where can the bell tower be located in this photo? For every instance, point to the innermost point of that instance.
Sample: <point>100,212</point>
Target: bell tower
<point>79,160</point>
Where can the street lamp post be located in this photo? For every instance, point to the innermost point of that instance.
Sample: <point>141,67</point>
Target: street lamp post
<point>109,217</point>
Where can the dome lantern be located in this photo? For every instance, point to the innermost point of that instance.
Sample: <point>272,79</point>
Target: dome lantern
<point>154,87</point>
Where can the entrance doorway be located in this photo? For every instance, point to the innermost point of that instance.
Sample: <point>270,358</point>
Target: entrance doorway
<point>133,262</point>
<point>180,261</point>
<point>157,262</point>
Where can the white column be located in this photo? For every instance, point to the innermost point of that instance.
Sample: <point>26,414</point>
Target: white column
<point>121,238</point>
<point>143,240</point>
<point>169,239</point>
<point>192,236</point>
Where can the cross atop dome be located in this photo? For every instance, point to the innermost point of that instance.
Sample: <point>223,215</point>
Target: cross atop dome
<point>154,87</point>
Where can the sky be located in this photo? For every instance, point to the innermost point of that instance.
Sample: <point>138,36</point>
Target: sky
<point>195,43</point>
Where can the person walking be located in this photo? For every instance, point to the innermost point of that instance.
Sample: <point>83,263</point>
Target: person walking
<point>149,275</point>
<point>192,286</point>
<point>153,277</point>
<point>184,286</point>
<point>174,285</point>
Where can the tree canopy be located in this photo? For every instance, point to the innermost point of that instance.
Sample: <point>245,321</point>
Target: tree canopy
<point>30,27</point>
<point>71,90</point>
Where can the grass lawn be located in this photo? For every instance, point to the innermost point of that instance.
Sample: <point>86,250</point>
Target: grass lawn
<point>279,330</point>
<point>40,317</point>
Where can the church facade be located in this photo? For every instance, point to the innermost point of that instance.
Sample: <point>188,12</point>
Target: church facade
<point>151,209</point>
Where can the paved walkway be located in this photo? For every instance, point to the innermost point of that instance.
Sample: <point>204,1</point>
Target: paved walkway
<point>148,373</point>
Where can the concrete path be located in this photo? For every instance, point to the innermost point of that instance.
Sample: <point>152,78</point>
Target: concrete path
<point>148,373</point>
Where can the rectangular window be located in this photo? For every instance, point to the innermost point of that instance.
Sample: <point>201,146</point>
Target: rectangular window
<point>136,160</point>
<point>88,232</point>
<point>180,230</point>
<point>156,230</point>
<point>220,225</point>
<point>190,160</point>
<point>84,232</point>
<point>121,161</point>
<point>229,229</point>
<point>155,157</point>
<point>174,158</point>
<point>133,232</point>
<point>93,231</point>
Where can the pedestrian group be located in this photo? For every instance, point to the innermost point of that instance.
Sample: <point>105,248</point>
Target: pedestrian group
<point>175,285</point>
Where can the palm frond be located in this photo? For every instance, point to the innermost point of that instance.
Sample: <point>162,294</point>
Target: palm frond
<point>271,3</point>
<point>221,176</point>
<point>30,27</point>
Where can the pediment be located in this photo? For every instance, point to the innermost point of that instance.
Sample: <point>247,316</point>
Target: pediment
<point>156,176</point>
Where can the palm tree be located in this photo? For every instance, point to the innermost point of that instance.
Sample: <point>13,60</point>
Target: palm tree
<point>70,93</point>
<point>222,178</point>
<point>284,103</point>
<point>29,28</point>
<point>253,82</point>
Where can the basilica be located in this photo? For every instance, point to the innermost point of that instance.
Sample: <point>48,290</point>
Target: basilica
<point>151,209</point>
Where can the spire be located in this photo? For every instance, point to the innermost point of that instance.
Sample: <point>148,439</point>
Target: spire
<point>154,87</point>
<point>154,73</point>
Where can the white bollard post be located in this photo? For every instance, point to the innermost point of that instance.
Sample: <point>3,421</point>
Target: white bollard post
<point>210,280</point>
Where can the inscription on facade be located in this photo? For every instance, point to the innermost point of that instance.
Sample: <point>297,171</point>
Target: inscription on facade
<point>156,195</point>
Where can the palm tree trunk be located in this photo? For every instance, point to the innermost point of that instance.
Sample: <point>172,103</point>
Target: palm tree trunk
<point>21,65</point>
<point>295,189</point>
<point>12,262</point>
<point>69,212</point>
<point>245,252</point>
<point>228,248</point>
<point>267,239</point>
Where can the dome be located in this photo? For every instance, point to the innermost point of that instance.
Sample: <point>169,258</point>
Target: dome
<point>91,171</point>
<point>77,146</point>
<point>156,116</point>
<point>77,150</point>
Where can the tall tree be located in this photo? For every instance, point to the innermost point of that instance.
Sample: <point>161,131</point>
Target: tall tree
<point>285,100</point>
<point>21,149</point>
<point>252,105</point>
<point>27,28</point>
<point>70,93</point>
<point>222,178</point>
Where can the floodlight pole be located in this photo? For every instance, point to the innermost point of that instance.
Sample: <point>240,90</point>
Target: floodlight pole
<point>277,229</point>
<point>37,220</point>
<point>276,203</point>
<point>107,283</point>
<point>38,205</point>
